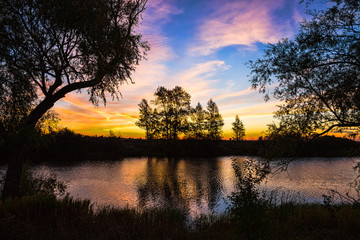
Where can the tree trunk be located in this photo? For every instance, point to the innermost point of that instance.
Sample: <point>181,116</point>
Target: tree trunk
<point>13,176</point>
<point>14,170</point>
<point>20,150</point>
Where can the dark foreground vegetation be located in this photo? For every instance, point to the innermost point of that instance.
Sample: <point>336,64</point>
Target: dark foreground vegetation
<point>45,211</point>
<point>66,146</point>
<point>45,217</point>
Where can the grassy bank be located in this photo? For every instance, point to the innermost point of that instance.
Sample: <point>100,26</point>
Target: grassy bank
<point>45,217</point>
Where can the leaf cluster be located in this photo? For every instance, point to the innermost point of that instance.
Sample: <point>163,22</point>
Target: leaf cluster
<point>317,73</point>
<point>49,48</point>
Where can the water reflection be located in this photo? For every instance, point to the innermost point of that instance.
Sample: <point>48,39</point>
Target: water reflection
<point>170,182</point>
<point>200,185</point>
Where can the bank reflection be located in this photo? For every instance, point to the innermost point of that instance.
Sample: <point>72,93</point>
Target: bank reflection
<point>170,182</point>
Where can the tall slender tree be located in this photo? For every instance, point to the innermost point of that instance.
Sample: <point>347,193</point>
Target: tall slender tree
<point>197,125</point>
<point>162,102</point>
<point>238,128</point>
<point>180,101</point>
<point>148,120</point>
<point>214,121</point>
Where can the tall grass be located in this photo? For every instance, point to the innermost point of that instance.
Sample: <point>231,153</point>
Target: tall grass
<point>46,217</point>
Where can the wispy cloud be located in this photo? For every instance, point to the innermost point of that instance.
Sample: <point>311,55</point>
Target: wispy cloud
<point>199,79</point>
<point>243,22</point>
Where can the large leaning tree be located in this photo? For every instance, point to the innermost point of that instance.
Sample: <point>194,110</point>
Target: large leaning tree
<point>317,73</point>
<point>49,48</point>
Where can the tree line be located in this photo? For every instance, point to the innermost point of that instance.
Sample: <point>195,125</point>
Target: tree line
<point>172,115</point>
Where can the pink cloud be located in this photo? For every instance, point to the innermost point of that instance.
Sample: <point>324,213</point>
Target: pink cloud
<point>240,23</point>
<point>158,13</point>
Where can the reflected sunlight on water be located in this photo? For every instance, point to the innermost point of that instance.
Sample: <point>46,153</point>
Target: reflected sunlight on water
<point>200,185</point>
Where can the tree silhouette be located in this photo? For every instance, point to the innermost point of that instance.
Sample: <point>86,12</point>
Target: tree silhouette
<point>214,121</point>
<point>16,100</point>
<point>238,128</point>
<point>317,73</point>
<point>148,120</point>
<point>50,48</point>
<point>197,125</point>
<point>172,115</point>
<point>173,108</point>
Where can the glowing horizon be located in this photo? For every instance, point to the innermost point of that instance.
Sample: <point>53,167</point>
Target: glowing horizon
<point>201,46</point>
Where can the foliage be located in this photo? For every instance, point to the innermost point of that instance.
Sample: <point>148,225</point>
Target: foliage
<point>197,123</point>
<point>238,128</point>
<point>247,198</point>
<point>57,47</point>
<point>49,123</point>
<point>214,122</point>
<point>316,73</point>
<point>281,141</point>
<point>49,48</point>
<point>40,184</point>
<point>148,119</point>
<point>172,115</point>
<point>248,206</point>
<point>45,217</point>
<point>173,108</point>
<point>16,99</point>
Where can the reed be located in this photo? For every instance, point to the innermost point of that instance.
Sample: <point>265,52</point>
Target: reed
<point>47,217</point>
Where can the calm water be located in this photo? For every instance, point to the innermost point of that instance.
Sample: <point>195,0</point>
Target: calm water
<point>202,185</point>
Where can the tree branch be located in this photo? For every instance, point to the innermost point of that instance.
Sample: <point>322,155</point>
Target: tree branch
<point>50,100</point>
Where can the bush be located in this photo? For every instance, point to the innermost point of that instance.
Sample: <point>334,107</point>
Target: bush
<point>31,184</point>
<point>248,204</point>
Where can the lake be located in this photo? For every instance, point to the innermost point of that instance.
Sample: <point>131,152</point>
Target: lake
<point>200,185</point>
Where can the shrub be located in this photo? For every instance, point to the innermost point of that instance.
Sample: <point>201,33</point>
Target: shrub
<point>31,184</point>
<point>248,204</point>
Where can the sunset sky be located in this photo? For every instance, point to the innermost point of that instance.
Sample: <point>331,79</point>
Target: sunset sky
<point>202,46</point>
